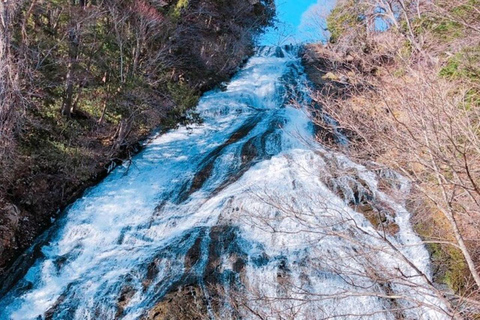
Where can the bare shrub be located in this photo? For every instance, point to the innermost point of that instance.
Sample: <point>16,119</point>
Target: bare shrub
<point>405,104</point>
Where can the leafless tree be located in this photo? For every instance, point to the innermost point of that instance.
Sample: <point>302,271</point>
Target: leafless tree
<point>418,123</point>
<point>344,256</point>
<point>10,98</point>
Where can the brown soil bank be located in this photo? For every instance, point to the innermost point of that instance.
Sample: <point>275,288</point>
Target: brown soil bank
<point>83,81</point>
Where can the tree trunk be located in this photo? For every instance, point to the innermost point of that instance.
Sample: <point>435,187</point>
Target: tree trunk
<point>8,78</point>
<point>67,105</point>
<point>68,97</point>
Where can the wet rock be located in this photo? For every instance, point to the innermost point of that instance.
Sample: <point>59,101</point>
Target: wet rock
<point>249,152</point>
<point>9,222</point>
<point>214,263</point>
<point>51,312</point>
<point>208,164</point>
<point>152,271</point>
<point>278,51</point>
<point>392,228</point>
<point>354,190</point>
<point>125,296</point>
<point>239,265</point>
<point>357,194</point>
<point>193,254</point>
<point>283,269</point>
<point>261,260</point>
<point>221,241</point>
<point>375,217</point>
<point>60,262</point>
<point>186,303</point>
<point>382,220</point>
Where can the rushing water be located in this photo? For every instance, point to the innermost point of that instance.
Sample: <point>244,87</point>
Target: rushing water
<point>247,211</point>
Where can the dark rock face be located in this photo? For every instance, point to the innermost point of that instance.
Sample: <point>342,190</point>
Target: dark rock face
<point>8,226</point>
<point>202,287</point>
<point>186,303</point>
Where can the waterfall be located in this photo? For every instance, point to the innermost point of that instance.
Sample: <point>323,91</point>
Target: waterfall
<point>244,215</point>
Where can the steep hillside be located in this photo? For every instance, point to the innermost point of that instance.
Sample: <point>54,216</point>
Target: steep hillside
<point>82,82</point>
<point>402,78</point>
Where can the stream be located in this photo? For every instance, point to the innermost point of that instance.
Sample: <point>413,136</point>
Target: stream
<point>242,216</point>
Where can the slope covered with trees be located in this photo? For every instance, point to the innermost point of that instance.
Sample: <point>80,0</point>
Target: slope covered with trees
<point>82,81</point>
<point>402,78</point>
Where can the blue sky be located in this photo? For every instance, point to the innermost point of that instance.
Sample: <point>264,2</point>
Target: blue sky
<point>298,21</point>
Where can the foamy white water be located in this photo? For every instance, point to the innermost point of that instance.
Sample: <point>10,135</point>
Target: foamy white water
<point>247,201</point>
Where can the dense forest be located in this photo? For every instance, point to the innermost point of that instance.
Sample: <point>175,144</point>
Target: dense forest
<point>83,81</point>
<point>402,78</point>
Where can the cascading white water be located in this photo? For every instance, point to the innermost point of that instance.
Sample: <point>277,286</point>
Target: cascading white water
<point>246,201</point>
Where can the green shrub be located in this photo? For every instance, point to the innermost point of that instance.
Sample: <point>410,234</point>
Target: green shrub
<point>181,4</point>
<point>343,18</point>
<point>464,64</point>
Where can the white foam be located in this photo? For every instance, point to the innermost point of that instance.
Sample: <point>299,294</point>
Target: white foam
<point>282,206</point>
